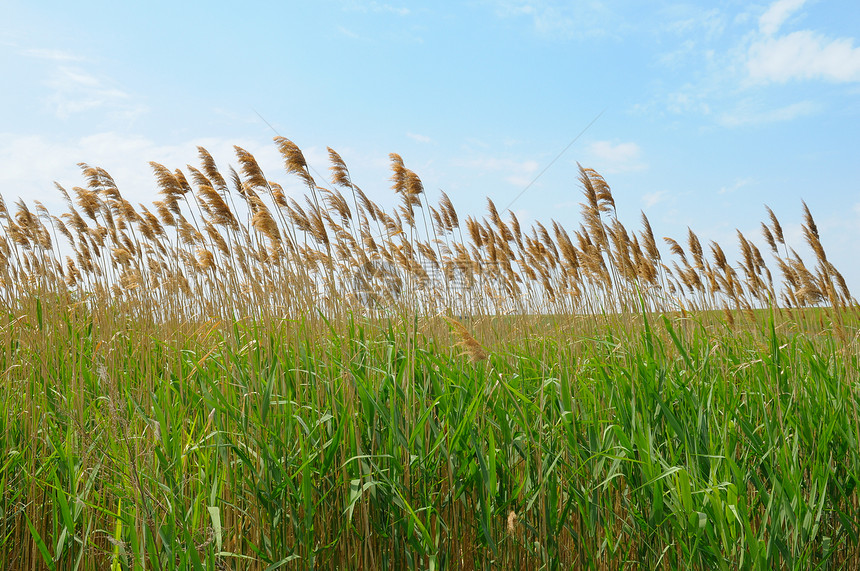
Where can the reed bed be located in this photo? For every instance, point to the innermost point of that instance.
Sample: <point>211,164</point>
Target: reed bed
<point>236,377</point>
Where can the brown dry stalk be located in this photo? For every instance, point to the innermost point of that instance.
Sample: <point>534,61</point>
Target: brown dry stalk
<point>472,348</point>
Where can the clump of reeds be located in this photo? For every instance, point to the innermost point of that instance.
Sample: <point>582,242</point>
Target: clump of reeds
<point>235,245</point>
<point>234,377</point>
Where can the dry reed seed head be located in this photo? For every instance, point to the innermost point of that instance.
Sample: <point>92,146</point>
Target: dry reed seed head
<point>768,237</point>
<point>278,195</point>
<point>448,206</point>
<point>317,226</point>
<point>263,222</point>
<point>811,236</point>
<point>588,189</point>
<point>368,205</point>
<point>165,213</point>
<point>788,273</point>
<point>649,241</point>
<point>107,181</point>
<point>294,160</point>
<point>777,229</point>
<point>337,202</point>
<point>339,172</point>
<point>128,244</point>
<point>414,187</point>
<point>88,201</point>
<point>127,212</point>
<point>440,226</point>
<point>676,249</point>
<point>695,247</point>
<point>130,279</point>
<point>168,184</point>
<point>474,231</point>
<point>808,221</point>
<point>198,177</point>
<point>746,251</point>
<point>64,230</point>
<point>91,175</point>
<point>719,256</point>
<point>298,217</point>
<point>546,239</point>
<point>217,207</point>
<point>472,348</point>
<point>398,173</point>
<point>840,281</point>
<point>604,194</point>
<point>41,210</point>
<point>206,260</point>
<point>182,181</point>
<point>494,214</point>
<point>596,228</point>
<point>757,257</point>
<point>251,169</point>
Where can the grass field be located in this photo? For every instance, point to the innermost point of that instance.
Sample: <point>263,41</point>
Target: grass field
<point>237,380</point>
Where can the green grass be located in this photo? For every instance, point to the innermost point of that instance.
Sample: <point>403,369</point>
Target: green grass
<point>599,406</point>
<point>666,443</point>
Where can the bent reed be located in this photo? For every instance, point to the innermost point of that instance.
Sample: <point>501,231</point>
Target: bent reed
<point>236,378</point>
<point>219,249</point>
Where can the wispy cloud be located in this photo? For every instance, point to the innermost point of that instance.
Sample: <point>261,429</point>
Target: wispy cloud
<point>419,138</point>
<point>777,13</point>
<point>376,7</point>
<point>53,55</point>
<point>798,55</point>
<point>73,87</point>
<point>557,19</point>
<point>612,157</point>
<point>348,33</point>
<point>737,185</point>
<point>804,55</point>
<point>695,22</point>
<point>736,67</point>
<point>74,91</point>
<point>651,199</point>
<point>747,113</point>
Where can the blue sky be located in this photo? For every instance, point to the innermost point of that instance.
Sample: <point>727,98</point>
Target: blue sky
<point>709,110</point>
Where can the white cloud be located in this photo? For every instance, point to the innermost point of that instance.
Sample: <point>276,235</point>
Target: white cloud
<point>804,55</point>
<point>651,199</point>
<point>614,158</point>
<point>722,78</point>
<point>349,33</point>
<point>778,12</point>
<point>696,21</point>
<point>419,138</point>
<point>689,98</point>
<point>74,90</point>
<point>53,55</point>
<point>738,184</point>
<point>748,114</point>
<point>557,19</point>
<point>377,7</point>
